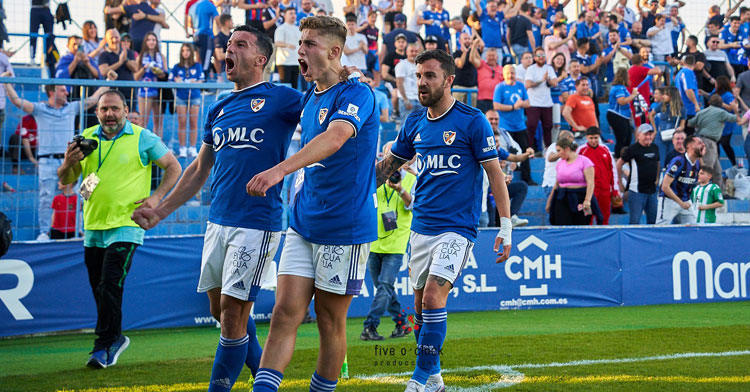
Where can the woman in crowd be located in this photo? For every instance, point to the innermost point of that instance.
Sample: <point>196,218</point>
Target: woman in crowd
<point>724,89</point>
<point>618,114</point>
<point>91,44</point>
<point>152,66</point>
<point>571,202</point>
<point>560,91</point>
<point>670,114</point>
<point>187,100</point>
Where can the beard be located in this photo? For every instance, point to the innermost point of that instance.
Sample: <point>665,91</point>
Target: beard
<point>112,128</point>
<point>432,98</point>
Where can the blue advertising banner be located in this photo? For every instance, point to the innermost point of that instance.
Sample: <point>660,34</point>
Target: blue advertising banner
<point>44,286</point>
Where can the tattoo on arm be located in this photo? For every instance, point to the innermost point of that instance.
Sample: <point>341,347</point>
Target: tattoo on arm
<point>440,281</point>
<point>386,167</point>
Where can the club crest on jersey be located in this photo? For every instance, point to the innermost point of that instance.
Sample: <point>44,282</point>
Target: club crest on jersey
<point>322,115</point>
<point>449,137</point>
<point>257,104</point>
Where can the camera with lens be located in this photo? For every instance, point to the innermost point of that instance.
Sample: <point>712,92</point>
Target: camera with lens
<point>87,146</point>
<point>395,178</point>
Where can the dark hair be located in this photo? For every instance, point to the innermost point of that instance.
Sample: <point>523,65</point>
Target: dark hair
<point>581,80</point>
<point>693,38</point>
<point>564,66</point>
<point>715,100</point>
<point>689,60</point>
<point>691,139</point>
<point>734,19</point>
<point>613,18</point>
<point>326,25</point>
<point>113,92</point>
<point>743,10</point>
<point>558,24</point>
<point>525,7</point>
<point>350,17</point>
<point>722,85</point>
<point>566,143</point>
<point>621,77</point>
<point>224,18</point>
<point>447,64</point>
<point>715,23</point>
<point>87,25</point>
<point>73,37</point>
<point>659,17</point>
<point>190,61</point>
<point>593,131</point>
<point>262,41</point>
<point>49,89</point>
<point>582,41</point>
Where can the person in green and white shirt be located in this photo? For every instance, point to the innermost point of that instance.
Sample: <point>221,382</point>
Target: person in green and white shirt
<point>707,197</point>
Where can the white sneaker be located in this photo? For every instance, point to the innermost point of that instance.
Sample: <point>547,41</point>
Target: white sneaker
<point>414,386</point>
<point>183,152</point>
<point>518,222</point>
<point>192,152</point>
<point>435,384</point>
<point>42,237</point>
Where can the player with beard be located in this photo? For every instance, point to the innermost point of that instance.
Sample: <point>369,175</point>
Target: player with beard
<point>245,133</point>
<point>333,218</point>
<point>678,183</point>
<point>453,142</point>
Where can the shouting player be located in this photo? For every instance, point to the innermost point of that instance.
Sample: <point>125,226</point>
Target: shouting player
<point>334,214</point>
<point>451,141</point>
<point>245,133</point>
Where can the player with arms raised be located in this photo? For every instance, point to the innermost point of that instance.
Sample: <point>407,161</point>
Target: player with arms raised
<point>450,140</point>
<point>245,133</point>
<point>334,214</point>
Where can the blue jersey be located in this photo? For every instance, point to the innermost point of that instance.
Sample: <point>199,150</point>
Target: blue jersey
<point>736,55</point>
<point>513,121</point>
<point>249,131</point>
<point>676,31</point>
<point>203,14</point>
<point>623,31</point>
<point>336,202</point>
<point>619,91</point>
<point>729,127</point>
<point>437,28</point>
<point>610,74</point>
<point>685,80</point>
<point>586,60</point>
<point>492,30</point>
<point>567,85</point>
<point>584,31</point>
<point>551,11</point>
<point>191,74</point>
<point>685,175</point>
<point>449,151</point>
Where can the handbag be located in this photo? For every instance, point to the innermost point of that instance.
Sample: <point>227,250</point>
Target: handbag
<point>666,135</point>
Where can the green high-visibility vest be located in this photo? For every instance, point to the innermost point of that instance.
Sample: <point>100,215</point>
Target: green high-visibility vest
<point>394,241</point>
<point>124,179</point>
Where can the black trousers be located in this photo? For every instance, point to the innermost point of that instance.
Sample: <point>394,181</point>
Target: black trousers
<point>107,269</point>
<point>288,74</point>
<point>623,131</point>
<point>522,138</point>
<point>726,144</point>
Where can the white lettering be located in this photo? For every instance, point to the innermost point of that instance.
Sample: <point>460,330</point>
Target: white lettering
<point>234,134</point>
<point>483,285</point>
<point>254,135</point>
<point>531,265</point>
<point>550,266</point>
<point>12,297</point>
<point>470,284</point>
<point>509,264</point>
<point>735,291</point>
<point>692,261</point>
<point>450,161</point>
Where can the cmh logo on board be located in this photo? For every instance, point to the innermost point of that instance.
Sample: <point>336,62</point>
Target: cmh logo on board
<point>734,283</point>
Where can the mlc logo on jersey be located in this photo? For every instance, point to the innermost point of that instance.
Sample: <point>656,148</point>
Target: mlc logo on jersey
<point>257,104</point>
<point>237,137</point>
<point>444,166</point>
<point>449,137</point>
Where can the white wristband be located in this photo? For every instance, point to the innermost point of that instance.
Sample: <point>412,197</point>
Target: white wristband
<point>506,227</point>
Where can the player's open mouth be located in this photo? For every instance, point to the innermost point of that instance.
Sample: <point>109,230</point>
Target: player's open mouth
<point>230,64</point>
<point>303,68</point>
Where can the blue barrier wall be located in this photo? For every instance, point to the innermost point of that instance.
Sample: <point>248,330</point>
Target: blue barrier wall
<point>43,286</point>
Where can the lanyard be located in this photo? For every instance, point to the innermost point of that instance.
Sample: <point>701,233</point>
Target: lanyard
<point>388,198</point>
<point>101,161</point>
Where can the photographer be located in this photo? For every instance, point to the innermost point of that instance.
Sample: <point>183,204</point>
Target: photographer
<point>55,119</point>
<point>114,159</point>
<point>386,254</point>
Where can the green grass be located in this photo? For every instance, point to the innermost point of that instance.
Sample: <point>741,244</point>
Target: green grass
<point>180,359</point>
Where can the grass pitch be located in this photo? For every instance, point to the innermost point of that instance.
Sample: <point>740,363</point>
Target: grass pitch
<point>696,347</point>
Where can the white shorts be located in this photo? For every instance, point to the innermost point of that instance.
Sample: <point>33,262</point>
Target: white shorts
<point>338,269</point>
<point>236,260</point>
<point>442,255</point>
<point>668,211</point>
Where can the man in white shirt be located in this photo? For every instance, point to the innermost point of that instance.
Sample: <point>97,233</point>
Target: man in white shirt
<point>286,40</point>
<point>406,82</point>
<point>355,48</point>
<point>661,38</point>
<point>538,79</point>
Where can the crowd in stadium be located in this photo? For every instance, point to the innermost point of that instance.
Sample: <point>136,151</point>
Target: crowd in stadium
<point>562,66</point>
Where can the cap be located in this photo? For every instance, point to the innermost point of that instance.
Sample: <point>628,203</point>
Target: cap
<point>400,36</point>
<point>643,128</point>
<point>125,35</point>
<point>431,38</point>
<point>399,18</point>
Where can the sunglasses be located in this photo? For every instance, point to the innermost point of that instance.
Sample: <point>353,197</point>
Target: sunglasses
<point>540,56</point>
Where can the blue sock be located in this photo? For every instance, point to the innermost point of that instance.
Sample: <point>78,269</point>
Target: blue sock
<point>430,343</point>
<point>227,364</point>
<point>254,351</point>
<point>417,326</point>
<point>267,380</point>
<point>320,384</point>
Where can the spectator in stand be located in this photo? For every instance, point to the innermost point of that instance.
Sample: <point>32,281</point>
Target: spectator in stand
<point>709,124</point>
<point>687,86</point>
<point>273,17</point>
<point>579,110</point>
<point>221,41</point>
<point>40,16</point>
<point>187,100</point>
<point>388,70</point>
<point>156,5</point>
<point>389,40</point>
<point>732,43</point>
<point>24,139</point>
<point>143,18</point>
<point>355,47</point>
<point>467,59</point>
<point>638,36</point>
<point>419,9</point>
<point>56,120</point>
<point>203,14</point>
<point>676,27</point>
<point>120,60</point>
<point>627,14</point>
<point>699,58</point>
<point>559,42</point>
<point>305,9</point>
<point>372,33</point>
<point>713,29</point>
<point>511,98</point>
<point>614,56</point>
<point>224,7</point>
<point>641,78</point>
<point>718,61</point>
<point>678,145</point>
<point>134,117</point>
<point>661,38</point>
<point>381,100</point>
<point>724,89</point>
<point>388,19</point>
<point>491,22</point>
<point>678,183</point>
<point>91,44</point>
<point>550,161</point>
<point>286,41</point>
<point>431,42</point>
<point>436,22</point>
<point>526,60</point>
<point>589,29</point>
<point>76,64</point>
<point>459,27</point>
<point>539,77</point>
<point>521,35</point>
<point>613,23</point>
<point>571,201</point>
<point>643,158</point>
<point>648,15</point>
<point>560,92</point>
<point>64,210</point>
<point>553,7</point>
<point>618,114</point>
<point>706,197</point>
<point>742,89</point>
<point>489,75</point>
<point>152,67</point>
<point>539,26</point>
<point>406,83</point>
<point>669,113</point>
<point>187,23</point>
<point>604,172</point>
<point>253,12</point>
<point>590,63</point>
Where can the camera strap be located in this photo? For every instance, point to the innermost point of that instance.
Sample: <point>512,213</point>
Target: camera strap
<point>388,198</point>
<point>101,161</point>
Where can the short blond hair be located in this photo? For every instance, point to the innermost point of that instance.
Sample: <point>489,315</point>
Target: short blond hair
<point>327,25</point>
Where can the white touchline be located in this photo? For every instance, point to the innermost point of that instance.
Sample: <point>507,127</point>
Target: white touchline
<point>509,376</point>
